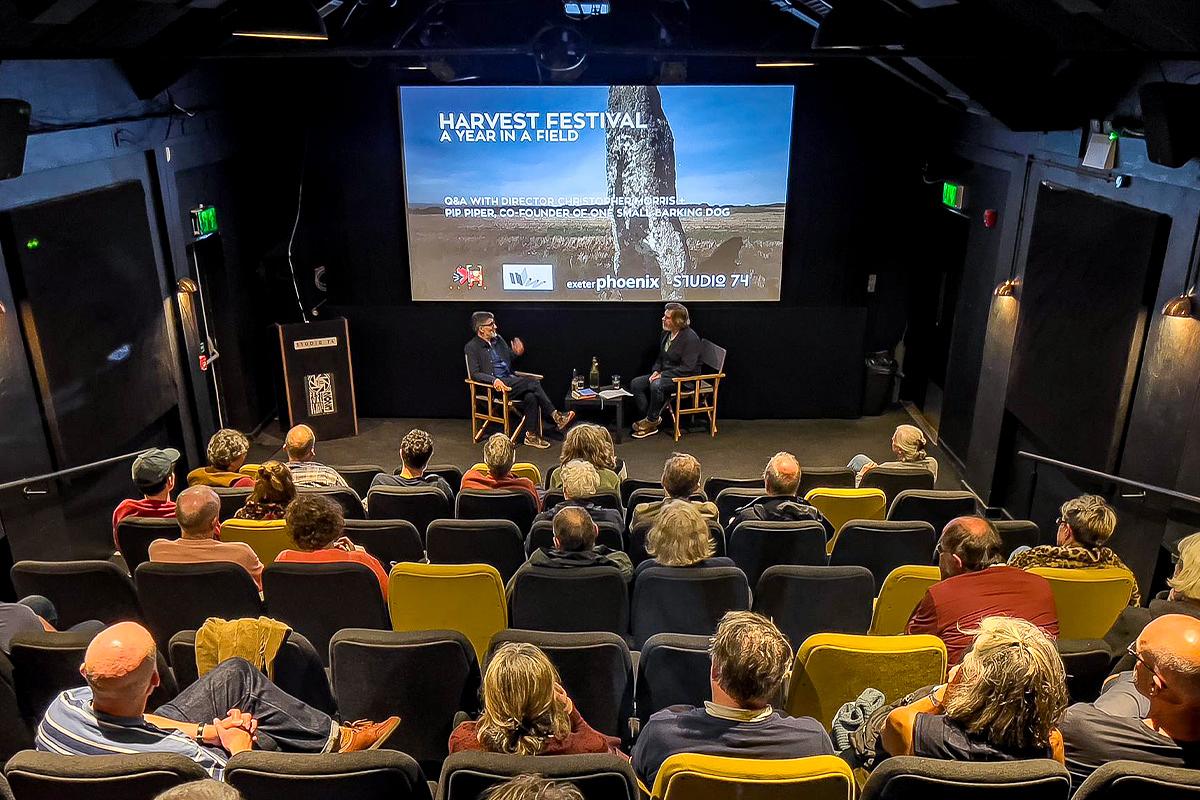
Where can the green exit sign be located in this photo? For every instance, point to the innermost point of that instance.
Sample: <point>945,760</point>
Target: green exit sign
<point>204,220</point>
<point>954,195</point>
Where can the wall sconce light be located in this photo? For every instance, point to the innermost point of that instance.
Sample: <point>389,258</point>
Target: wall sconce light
<point>1008,288</point>
<point>1181,306</point>
<point>187,286</point>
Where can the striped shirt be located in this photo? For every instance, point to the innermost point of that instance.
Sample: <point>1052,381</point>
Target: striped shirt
<point>314,473</point>
<point>71,727</point>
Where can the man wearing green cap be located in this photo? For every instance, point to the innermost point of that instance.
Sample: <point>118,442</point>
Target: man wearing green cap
<point>154,476</point>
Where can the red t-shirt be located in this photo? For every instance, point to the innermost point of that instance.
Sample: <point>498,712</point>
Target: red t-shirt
<point>478,479</point>
<point>334,556</point>
<point>951,609</point>
<point>583,738</point>
<point>159,509</point>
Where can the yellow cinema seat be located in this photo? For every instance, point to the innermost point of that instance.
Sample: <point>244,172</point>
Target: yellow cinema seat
<point>468,598</point>
<point>268,538</point>
<point>902,589</point>
<point>1088,600</point>
<point>690,776</point>
<point>842,505</point>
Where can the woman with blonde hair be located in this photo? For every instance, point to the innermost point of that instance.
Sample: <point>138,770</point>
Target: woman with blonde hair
<point>680,538</point>
<point>273,491</point>
<point>593,444</point>
<point>908,447</point>
<point>1183,598</point>
<point>526,712</point>
<point>1002,703</point>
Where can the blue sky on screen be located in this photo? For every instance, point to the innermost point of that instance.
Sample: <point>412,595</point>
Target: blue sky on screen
<point>731,144</point>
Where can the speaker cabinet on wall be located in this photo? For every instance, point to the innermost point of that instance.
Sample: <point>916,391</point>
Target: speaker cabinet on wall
<point>1172,124</point>
<point>14,130</point>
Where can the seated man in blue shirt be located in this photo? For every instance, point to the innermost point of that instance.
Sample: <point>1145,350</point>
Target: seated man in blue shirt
<point>750,659</point>
<point>229,710</point>
<point>489,360</point>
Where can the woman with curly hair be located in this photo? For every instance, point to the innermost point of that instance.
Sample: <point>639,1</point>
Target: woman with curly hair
<point>593,444</point>
<point>273,490</point>
<point>526,712</point>
<point>1002,703</point>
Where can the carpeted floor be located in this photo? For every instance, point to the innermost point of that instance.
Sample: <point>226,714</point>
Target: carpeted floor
<point>740,449</point>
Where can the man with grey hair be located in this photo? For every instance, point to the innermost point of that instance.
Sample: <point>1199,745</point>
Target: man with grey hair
<point>580,480</point>
<point>575,546</point>
<point>196,511</point>
<point>201,790</point>
<point>781,479</point>
<point>680,480</point>
<point>301,447</point>
<point>499,453</point>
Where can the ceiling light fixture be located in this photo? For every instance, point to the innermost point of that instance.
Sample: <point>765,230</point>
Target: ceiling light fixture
<point>1008,288</point>
<point>769,64</point>
<point>281,19</point>
<point>1180,306</point>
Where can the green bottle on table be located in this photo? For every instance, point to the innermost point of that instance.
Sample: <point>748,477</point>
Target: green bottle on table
<point>594,375</point>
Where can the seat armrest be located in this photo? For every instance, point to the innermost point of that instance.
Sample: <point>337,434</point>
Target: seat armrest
<point>710,377</point>
<point>533,375</point>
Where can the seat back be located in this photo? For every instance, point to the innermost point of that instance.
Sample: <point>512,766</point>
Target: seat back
<point>935,507</point>
<point>369,775</point>
<point>389,540</point>
<point>141,776</point>
<point>318,600</point>
<point>631,485</point>
<point>842,505</point>
<point>359,476</point>
<point>419,505</point>
<point>522,469</point>
<point>423,677</point>
<point>881,546</point>
<point>232,499</point>
<point>834,668</point>
<point>636,544</point>
<point>469,775</point>
<point>542,535</point>
<point>692,776</point>
<point>348,499</point>
<point>712,356</point>
<point>825,478</point>
<point>1088,600</point>
<point>937,779</point>
<point>80,590</point>
<point>715,485</point>
<point>1134,780</point>
<point>579,599</point>
<point>894,480</point>
<point>685,599</point>
<point>468,598</point>
<point>451,473</point>
<point>902,589</point>
<point>642,494</point>
<point>516,506</point>
<point>179,597</point>
<point>807,600</point>
<point>1017,533</point>
<point>15,734</point>
<point>755,546</point>
<point>602,499</point>
<point>596,671</point>
<point>1087,663</point>
<point>476,541</point>
<point>730,500</point>
<point>673,669</point>
<point>134,535</point>
<point>267,538</point>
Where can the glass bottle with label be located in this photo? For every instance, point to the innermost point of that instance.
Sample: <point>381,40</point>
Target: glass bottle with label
<point>594,375</point>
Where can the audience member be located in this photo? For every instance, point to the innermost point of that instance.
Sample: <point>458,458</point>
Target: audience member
<point>1167,675</point>
<point>1002,703</point>
<point>316,524</point>
<point>1183,598</point>
<point>526,712</point>
<point>498,455</point>
<point>227,451</point>
<point>197,511</point>
<point>751,659</point>
<point>416,448</point>
<point>781,479</point>
<point>976,583</point>
<point>580,480</point>
<point>593,444</point>
<point>201,790</point>
<point>680,480</point>
<point>681,538</point>
<point>154,476</point>
<point>1085,524</point>
<point>908,445</point>
<point>533,787</point>
<point>273,491</point>
<point>34,614</point>
<point>575,546</point>
<point>227,711</point>
<point>301,447</point>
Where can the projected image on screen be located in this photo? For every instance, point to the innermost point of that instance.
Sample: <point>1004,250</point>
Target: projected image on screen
<point>596,193</point>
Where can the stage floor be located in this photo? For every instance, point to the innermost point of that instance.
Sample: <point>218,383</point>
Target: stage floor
<point>740,449</point>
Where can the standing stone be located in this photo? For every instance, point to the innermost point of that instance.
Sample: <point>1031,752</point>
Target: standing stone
<point>641,163</point>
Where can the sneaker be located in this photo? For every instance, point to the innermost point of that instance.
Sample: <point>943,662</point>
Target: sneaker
<point>563,420</point>
<point>647,428</point>
<point>533,440</point>
<point>364,735</point>
<point>641,425</point>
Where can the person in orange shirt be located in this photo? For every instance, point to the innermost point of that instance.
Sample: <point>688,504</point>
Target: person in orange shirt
<point>316,523</point>
<point>499,453</point>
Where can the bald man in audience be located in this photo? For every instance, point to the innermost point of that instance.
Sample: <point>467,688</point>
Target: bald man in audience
<point>232,709</point>
<point>976,583</point>
<point>197,510</point>
<point>1167,675</point>
<point>781,480</point>
<point>301,447</point>
<point>575,546</point>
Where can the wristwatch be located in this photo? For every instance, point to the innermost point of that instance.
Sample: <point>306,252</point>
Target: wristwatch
<point>200,732</point>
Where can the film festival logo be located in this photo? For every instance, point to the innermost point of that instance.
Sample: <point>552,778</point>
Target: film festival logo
<point>467,276</point>
<point>529,277</point>
<point>319,389</point>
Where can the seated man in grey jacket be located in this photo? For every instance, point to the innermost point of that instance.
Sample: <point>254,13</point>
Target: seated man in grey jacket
<point>575,546</point>
<point>781,479</point>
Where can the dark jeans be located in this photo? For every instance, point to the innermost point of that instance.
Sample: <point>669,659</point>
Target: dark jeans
<point>650,397</point>
<point>530,392</point>
<point>45,609</point>
<point>284,723</point>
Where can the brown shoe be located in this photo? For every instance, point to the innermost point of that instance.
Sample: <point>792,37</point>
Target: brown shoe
<point>645,428</point>
<point>533,440</point>
<point>364,735</point>
<point>563,420</point>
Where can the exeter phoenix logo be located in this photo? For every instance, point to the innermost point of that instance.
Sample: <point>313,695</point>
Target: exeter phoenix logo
<point>467,276</point>
<point>529,277</point>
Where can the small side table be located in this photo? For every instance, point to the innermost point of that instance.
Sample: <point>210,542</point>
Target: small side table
<point>602,405</point>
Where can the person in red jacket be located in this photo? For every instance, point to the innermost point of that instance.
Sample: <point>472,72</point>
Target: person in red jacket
<point>316,524</point>
<point>154,475</point>
<point>498,456</point>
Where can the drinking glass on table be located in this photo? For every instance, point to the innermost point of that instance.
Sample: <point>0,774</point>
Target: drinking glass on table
<point>616,382</point>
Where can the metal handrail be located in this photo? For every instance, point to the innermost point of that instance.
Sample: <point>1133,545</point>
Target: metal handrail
<point>64,472</point>
<point>1147,487</point>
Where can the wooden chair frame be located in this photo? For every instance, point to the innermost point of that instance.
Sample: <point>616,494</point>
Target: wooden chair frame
<point>711,356</point>
<point>493,407</point>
